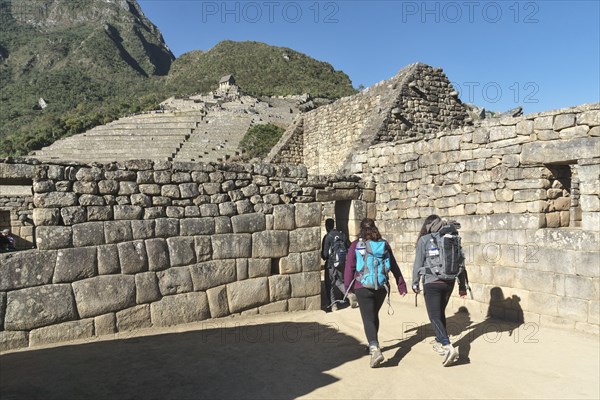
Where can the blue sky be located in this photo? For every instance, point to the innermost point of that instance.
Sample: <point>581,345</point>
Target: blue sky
<point>541,55</point>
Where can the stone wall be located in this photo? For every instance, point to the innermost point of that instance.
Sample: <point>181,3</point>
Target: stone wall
<point>16,203</point>
<point>125,246</point>
<point>419,100</point>
<point>526,191</point>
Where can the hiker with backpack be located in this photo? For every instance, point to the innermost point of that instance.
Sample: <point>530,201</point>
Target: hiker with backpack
<point>369,261</point>
<point>334,251</point>
<point>439,262</point>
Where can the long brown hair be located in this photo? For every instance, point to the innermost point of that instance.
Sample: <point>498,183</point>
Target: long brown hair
<point>426,228</point>
<point>368,230</point>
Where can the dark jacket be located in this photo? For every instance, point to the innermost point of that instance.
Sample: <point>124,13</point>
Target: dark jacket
<point>328,243</point>
<point>350,269</point>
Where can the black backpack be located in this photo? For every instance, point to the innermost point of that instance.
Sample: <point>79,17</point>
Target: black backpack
<point>338,249</point>
<point>444,254</point>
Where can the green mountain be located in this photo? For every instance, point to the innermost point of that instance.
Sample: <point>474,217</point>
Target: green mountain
<point>69,65</point>
<point>259,69</point>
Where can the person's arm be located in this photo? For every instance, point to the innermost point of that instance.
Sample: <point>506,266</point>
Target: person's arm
<point>400,283</point>
<point>350,267</point>
<point>419,263</point>
<point>325,247</point>
<point>462,280</point>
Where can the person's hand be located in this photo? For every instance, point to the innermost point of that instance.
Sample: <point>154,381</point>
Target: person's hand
<point>402,287</point>
<point>416,289</point>
<point>462,294</point>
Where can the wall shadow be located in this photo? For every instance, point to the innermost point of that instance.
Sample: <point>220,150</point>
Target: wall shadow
<point>504,316</point>
<point>222,361</point>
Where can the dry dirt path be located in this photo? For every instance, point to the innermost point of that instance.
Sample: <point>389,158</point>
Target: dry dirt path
<point>312,355</point>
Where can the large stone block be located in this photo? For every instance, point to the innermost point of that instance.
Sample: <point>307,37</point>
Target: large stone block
<point>53,237</point>
<point>108,260</point>
<point>234,245</point>
<point>217,302</point>
<point>248,223</point>
<point>223,225</point>
<point>203,245</point>
<point>581,287</point>
<point>180,309</point>
<point>31,308</point>
<point>46,216</point>
<point>270,244</point>
<point>181,251</point>
<point>67,331</point>
<point>175,281</point>
<point>134,318</point>
<point>142,229</point>
<point>305,284</point>
<point>105,324</point>
<point>311,261</point>
<point>117,231</point>
<point>212,274</point>
<point>279,287</point>
<point>284,217</point>
<point>290,264</point>
<point>167,227</point>
<point>103,294</point>
<point>13,339</point>
<point>88,234</point>
<point>133,257</point>
<point>197,226</point>
<point>25,269</point>
<point>305,239</point>
<point>308,214</point>
<point>146,287</point>
<point>128,212</point>
<point>246,294</point>
<point>278,307</point>
<point>54,199</point>
<point>75,264</point>
<point>574,309</point>
<point>259,267</point>
<point>560,150</point>
<point>158,254</point>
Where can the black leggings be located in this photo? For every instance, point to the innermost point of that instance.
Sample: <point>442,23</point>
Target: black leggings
<point>370,302</point>
<point>437,295</point>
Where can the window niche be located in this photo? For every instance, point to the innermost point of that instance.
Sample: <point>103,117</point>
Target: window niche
<point>563,209</point>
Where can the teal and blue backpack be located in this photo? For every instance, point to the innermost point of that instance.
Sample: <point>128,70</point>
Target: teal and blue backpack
<point>372,263</point>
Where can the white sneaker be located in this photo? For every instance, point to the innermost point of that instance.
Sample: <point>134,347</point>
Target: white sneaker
<point>450,355</point>
<point>376,356</point>
<point>437,347</point>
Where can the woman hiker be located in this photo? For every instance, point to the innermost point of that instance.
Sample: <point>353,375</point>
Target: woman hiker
<point>437,290</point>
<point>370,299</point>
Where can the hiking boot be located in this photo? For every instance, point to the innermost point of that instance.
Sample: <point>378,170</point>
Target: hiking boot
<point>450,355</point>
<point>334,307</point>
<point>376,356</point>
<point>353,301</point>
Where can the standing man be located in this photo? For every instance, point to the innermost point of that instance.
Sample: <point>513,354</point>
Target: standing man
<point>333,251</point>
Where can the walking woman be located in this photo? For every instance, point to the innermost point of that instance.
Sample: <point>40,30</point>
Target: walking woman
<point>370,300</point>
<point>438,285</point>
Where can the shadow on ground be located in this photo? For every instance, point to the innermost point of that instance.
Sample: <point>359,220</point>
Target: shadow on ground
<point>278,360</point>
<point>462,331</point>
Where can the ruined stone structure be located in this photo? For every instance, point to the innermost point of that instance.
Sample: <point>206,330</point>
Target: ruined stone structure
<point>151,243</point>
<point>525,189</point>
<point>129,245</point>
<point>203,128</point>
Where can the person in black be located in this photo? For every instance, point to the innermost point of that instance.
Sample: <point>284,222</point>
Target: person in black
<point>334,277</point>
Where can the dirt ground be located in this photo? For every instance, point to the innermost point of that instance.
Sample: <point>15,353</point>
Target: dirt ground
<point>312,355</point>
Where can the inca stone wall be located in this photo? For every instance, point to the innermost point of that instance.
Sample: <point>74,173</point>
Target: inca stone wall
<point>131,245</point>
<point>526,192</point>
<point>419,100</point>
<point>16,203</point>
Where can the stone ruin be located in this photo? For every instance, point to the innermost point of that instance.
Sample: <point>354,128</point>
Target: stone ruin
<point>126,245</point>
